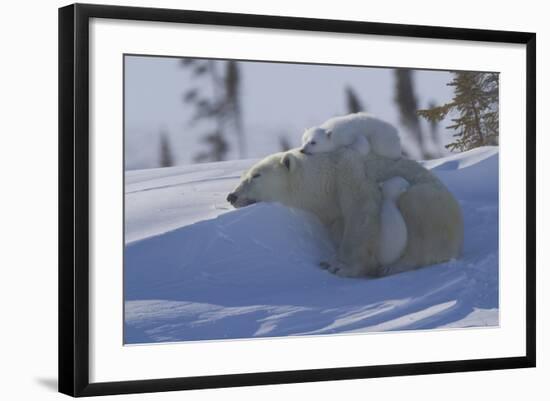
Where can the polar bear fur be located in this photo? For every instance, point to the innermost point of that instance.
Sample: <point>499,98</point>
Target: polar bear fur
<point>341,189</point>
<point>361,131</point>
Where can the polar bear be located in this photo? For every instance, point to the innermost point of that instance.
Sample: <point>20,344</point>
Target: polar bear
<point>361,131</point>
<point>341,189</point>
<point>393,230</point>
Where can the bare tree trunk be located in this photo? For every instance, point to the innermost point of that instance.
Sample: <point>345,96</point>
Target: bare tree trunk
<point>232,91</point>
<point>406,101</point>
<point>218,133</point>
<point>166,158</point>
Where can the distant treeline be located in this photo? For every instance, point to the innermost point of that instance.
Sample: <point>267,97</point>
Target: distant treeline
<point>215,98</point>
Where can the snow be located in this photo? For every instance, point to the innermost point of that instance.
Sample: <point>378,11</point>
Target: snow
<point>196,269</point>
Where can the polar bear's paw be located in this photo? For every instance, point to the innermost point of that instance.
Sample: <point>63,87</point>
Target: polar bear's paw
<point>333,266</point>
<point>392,269</point>
<point>339,269</point>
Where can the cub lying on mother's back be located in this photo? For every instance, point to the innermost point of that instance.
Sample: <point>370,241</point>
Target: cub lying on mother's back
<point>341,189</point>
<point>360,131</point>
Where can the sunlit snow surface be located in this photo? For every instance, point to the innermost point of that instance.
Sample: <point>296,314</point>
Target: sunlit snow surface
<point>196,269</point>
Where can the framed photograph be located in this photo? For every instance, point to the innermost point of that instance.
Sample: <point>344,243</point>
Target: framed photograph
<point>252,199</point>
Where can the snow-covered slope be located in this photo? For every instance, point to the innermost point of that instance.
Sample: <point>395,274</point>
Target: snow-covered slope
<point>196,269</point>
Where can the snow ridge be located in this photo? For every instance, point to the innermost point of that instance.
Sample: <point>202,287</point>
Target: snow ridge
<point>195,269</point>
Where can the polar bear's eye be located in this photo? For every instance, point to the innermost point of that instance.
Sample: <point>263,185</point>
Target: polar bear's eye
<point>256,175</point>
<point>313,142</point>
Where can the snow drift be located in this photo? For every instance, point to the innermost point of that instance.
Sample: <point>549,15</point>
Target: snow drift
<point>196,269</point>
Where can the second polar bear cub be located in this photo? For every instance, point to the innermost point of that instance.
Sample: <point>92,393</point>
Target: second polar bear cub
<point>362,131</point>
<point>393,230</point>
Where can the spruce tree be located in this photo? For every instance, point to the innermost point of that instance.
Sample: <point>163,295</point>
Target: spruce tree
<point>434,134</point>
<point>475,102</point>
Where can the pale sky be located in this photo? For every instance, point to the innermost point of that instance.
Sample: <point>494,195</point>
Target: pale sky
<point>277,99</point>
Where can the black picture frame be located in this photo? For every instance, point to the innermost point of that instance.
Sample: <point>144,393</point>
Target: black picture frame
<point>74,194</point>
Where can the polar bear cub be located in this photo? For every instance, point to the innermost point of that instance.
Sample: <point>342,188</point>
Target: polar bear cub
<point>393,238</point>
<point>361,131</point>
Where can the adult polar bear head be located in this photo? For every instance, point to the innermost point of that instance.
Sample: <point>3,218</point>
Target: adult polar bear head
<point>342,189</point>
<point>291,179</point>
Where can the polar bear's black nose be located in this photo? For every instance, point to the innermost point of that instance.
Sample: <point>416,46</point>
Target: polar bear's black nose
<point>231,198</point>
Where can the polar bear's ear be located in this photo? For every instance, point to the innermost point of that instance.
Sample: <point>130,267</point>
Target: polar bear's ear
<point>285,161</point>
